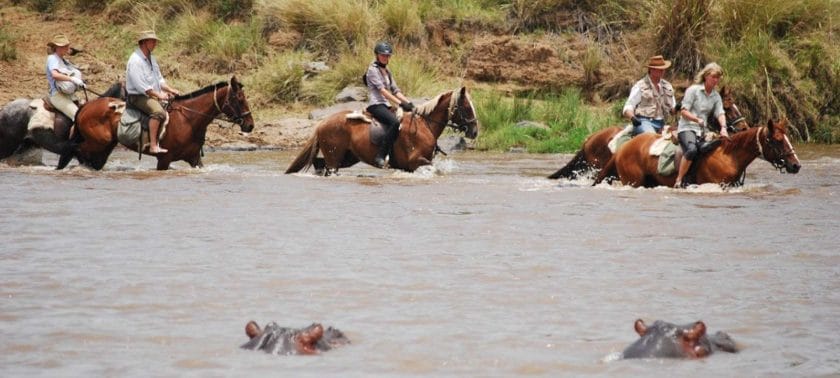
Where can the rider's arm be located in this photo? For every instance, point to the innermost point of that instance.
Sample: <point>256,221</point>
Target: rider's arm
<point>633,100</point>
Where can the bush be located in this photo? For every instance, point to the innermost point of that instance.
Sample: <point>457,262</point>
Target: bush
<point>402,20</point>
<point>568,121</point>
<point>328,27</point>
<point>8,51</point>
<point>280,78</point>
<point>680,28</point>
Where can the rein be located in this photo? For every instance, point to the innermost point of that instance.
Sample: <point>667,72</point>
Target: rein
<point>239,119</point>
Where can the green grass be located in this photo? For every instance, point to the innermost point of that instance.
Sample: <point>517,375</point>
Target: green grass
<point>567,121</point>
<point>8,51</point>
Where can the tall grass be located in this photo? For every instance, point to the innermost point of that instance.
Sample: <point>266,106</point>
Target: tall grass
<point>8,51</point>
<point>680,29</point>
<point>328,27</point>
<point>402,20</point>
<point>568,121</point>
<point>280,78</point>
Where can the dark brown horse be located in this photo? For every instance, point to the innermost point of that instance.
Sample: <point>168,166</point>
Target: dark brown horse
<point>189,116</point>
<point>723,165</point>
<point>344,142</point>
<point>594,153</point>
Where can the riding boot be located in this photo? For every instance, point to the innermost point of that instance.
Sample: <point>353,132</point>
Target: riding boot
<point>385,147</point>
<point>707,147</point>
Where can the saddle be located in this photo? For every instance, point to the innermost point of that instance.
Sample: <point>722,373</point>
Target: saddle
<point>622,137</point>
<point>133,129</point>
<point>377,131</point>
<point>46,116</point>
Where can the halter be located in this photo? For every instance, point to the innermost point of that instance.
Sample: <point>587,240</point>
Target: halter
<point>780,164</point>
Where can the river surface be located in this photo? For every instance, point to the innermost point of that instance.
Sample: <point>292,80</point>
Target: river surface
<point>476,267</point>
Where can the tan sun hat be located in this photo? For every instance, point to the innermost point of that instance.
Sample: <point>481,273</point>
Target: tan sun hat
<point>658,62</point>
<point>147,34</point>
<point>60,40</point>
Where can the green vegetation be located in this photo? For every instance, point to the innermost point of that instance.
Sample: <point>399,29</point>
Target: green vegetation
<point>781,57</point>
<point>8,52</point>
<point>566,121</point>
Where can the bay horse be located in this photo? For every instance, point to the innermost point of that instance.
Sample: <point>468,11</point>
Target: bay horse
<point>594,153</point>
<point>344,142</point>
<point>189,116</point>
<point>723,165</point>
<point>17,138</point>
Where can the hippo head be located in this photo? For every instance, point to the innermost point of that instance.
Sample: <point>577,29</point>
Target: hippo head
<point>288,341</point>
<point>667,340</point>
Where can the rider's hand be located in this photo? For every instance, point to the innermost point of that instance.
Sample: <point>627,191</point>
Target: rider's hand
<point>724,133</point>
<point>701,122</point>
<point>635,121</point>
<point>79,83</point>
<point>407,106</point>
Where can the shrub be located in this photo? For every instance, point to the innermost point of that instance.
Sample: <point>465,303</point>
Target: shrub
<point>280,78</point>
<point>680,28</point>
<point>328,27</point>
<point>8,51</point>
<point>402,20</point>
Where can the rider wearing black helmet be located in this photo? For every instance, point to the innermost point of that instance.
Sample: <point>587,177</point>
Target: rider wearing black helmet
<point>384,92</point>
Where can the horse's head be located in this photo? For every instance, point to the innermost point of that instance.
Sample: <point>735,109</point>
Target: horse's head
<point>775,147</point>
<point>463,114</point>
<point>735,122</point>
<point>236,107</point>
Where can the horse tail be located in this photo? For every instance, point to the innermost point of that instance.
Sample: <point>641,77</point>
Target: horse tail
<point>572,168</point>
<point>304,160</point>
<point>608,172</point>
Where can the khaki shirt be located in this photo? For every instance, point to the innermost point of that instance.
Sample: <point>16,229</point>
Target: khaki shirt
<point>646,101</point>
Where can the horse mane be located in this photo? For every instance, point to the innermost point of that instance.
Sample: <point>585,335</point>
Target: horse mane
<point>202,91</point>
<point>427,107</point>
<point>741,139</point>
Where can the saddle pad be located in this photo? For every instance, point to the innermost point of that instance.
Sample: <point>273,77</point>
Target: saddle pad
<point>618,139</point>
<point>41,117</point>
<point>128,131</point>
<point>667,154</point>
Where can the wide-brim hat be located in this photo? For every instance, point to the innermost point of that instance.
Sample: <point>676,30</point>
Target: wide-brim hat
<point>658,62</point>
<point>147,34</point>
<point>60,40</point>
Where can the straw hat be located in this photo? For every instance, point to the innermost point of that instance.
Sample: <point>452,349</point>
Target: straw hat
<point>60,40</point>
<point>147,34</point>
<point>658,62</point>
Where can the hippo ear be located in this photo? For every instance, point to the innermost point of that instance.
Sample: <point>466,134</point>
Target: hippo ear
<point>640,327</point>
<point>696,332</point>
<point>252,329</point>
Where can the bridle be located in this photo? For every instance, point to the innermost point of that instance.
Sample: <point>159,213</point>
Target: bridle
<point>776,147</point>
<point>455,110</point>
<point>239,117</point>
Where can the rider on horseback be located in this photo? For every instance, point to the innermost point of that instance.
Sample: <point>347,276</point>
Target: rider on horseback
<point>63,77</point>
<point>145,86</point>
<point>651,99</point>
<point>700,101</point>
<point>383,92</point>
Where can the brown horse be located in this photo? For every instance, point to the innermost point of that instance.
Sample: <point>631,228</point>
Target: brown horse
<point>344,142</point>
<point>594,153</point>
<point>189,116</point>
<point>723,165</point>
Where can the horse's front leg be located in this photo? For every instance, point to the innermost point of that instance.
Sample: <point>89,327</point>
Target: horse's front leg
<point>195,161</point>
<point>163,162</point>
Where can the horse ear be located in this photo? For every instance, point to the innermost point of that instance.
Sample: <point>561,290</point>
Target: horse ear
<point>770,124</point>
<point>235,83</point>
<point>463,91</point>
<point>640,327</point>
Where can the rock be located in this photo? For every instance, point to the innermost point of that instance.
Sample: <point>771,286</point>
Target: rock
<point>315,67</point>
<point>452,143</point>
<point>352,93</point>
<point>531,124</point>
<point>323,112</point>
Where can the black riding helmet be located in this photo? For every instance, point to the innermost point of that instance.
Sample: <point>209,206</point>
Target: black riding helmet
<point>383,48</point>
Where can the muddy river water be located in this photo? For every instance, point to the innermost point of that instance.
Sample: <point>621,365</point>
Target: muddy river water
<point>476,267</point>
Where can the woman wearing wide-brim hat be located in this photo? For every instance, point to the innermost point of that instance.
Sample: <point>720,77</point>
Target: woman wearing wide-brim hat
<point>651,99</point>
<point>63,77</point>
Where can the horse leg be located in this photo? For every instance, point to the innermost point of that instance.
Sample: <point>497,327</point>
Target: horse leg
<point>195,161</point>
<point>163,162</point>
